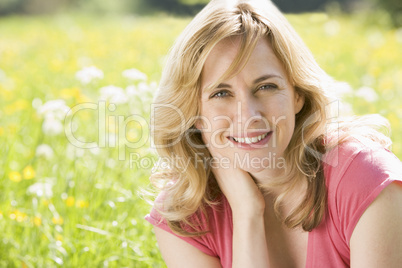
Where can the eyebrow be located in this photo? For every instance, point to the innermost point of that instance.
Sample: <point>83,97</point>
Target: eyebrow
<point>256,81</point>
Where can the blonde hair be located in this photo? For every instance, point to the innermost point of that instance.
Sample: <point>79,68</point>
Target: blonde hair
<point>176,107</point>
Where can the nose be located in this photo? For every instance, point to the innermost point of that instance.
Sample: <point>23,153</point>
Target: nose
<point>248,112</point>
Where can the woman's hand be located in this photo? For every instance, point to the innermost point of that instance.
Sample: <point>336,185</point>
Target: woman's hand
<point>248,205</point>
<point>243,194</point>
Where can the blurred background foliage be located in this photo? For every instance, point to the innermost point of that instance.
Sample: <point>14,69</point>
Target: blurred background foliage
<point>189,7</point>
<point>65,206</point>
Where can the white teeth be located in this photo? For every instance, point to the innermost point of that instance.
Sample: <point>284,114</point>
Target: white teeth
<point>248,140</point>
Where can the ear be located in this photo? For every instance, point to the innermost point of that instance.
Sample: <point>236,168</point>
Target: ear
<point>299,101</point>
<point>198,124</point>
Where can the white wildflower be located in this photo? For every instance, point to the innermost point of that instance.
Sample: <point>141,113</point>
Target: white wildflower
<point>73,152</point>
<point>42,189</point>
<point>143,88</point>
<point>110,163</point>
<point>88,74</point>
<point>346,109</point>
<point>54,112</point>
<point>332,27</point>
<point>36,103</point>
<point>3,75</point>
<point>95,150</point>
<point>131,91</point>
<point>367,80</point>
<point>340,89</point>
<point>58,260</point>
<point>121,199</point>
<point>134,74</point>
<point>376,39</point>
<point>52,126</point>
<point>45,151</point>
<point>111,204</point>
<point>113,94</point>
<point>367,93</point>
<point>54,108</point>
<point>153,85</point>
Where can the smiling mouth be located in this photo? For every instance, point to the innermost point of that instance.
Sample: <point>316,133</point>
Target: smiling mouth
<point>251,140</point>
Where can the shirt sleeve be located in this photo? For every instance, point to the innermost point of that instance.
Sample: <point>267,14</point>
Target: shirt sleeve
<point>370,171</point>
<point>199,242</point>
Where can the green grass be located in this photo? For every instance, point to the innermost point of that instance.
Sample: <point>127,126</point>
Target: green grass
<point>95,215</point>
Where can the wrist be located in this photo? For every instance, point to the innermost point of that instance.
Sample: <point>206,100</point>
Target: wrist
<point>248,215</point>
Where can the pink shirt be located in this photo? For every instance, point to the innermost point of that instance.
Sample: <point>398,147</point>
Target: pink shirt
<point>355,174</point>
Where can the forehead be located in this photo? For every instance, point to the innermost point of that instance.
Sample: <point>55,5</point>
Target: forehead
<point>262,61</point>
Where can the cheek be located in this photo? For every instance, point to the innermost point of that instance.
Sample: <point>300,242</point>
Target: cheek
<point>216,116</point>
<point>281,106</point>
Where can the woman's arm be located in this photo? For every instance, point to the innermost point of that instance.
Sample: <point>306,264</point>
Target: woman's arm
<point>248,206</point>
<point>178,253</point>
<point>249,243</point>
<point>377,238</point>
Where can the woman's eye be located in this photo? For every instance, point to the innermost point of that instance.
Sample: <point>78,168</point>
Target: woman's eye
<point>220,94</point>
<point>268,87</point>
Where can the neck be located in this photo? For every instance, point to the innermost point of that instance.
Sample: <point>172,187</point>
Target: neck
<point>270,179</point>
<point>272,184</point>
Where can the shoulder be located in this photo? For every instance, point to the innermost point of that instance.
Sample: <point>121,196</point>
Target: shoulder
<point>356,172</point>
<point>376,240</point>
<point>214,223</point>
<point>360,161</point>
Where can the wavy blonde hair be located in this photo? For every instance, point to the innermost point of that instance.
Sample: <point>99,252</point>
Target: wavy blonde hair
<point>177,105</point>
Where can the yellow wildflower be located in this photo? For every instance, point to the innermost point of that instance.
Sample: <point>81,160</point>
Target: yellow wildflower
<point>70,201</point>
<point>58,220</point>
<point>6,94</point>
<point>82,98</point>
<point>9,109</point>
<point>18,216</point>
<point>28,172</point>
<point>386,84</point>
<point>16,106</point>
<point>15,176</point>
<point>20,105</point>
<point>59,237</point>
<point>67,93</point>
<point>132,135</point>
<point>37,221</point>
<point>82,204</point>
<point>75,93</point>
<point>12,129</point>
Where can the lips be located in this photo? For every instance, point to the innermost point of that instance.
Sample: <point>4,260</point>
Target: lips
<point>251,139</point>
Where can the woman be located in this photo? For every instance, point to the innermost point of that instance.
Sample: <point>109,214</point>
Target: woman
<point>255,174</point>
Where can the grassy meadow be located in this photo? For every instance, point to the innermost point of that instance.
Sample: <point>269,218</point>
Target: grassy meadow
<point>75,94</point>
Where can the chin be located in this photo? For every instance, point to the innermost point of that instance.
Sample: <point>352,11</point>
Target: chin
<point>263,165</point>
<point>254,170</point>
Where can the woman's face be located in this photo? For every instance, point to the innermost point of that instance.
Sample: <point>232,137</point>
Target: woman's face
<point>248,119</point>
